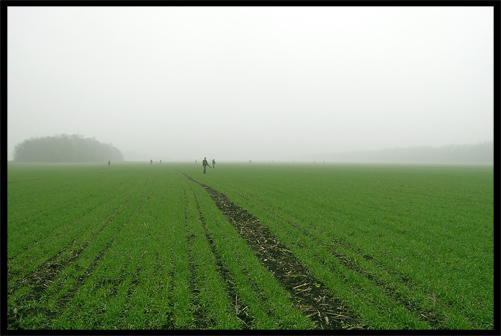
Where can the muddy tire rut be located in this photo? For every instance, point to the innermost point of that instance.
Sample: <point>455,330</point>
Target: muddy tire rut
<point>308,293</point>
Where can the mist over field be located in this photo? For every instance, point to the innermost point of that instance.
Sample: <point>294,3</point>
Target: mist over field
<point>481,153</point>
<point>256,83</point>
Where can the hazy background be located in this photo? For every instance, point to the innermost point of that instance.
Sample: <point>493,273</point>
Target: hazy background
<point>260,83</point>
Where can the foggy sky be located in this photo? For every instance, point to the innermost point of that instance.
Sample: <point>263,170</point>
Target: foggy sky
<point>260,83</point>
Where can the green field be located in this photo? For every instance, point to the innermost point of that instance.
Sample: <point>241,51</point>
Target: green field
<point>250,246</point>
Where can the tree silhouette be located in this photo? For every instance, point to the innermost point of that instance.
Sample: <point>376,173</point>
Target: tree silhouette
<point>65,148</point>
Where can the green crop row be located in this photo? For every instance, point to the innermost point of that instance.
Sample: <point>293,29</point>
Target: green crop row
<point>139,246</point>
<point>135,247</point>
<point>52,286</point>
<point>422,237</point>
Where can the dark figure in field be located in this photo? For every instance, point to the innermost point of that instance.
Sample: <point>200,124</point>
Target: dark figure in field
<point>109,162</point>
<point>205,164</point>
<point>213,163</point>
<point>151,161</point>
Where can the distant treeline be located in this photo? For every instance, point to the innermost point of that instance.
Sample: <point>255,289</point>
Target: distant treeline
<point>481,153</point>
<point>65,148</point>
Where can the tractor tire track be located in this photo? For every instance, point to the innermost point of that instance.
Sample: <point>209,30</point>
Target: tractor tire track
<point>196,311</point>
<point>431,318</point>
<point>315,300</point>
<point>246,320</point>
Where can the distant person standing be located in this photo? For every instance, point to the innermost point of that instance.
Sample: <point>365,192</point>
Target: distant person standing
<point>151,161</point>
<point>213,163</point>
<point>109,162</point>
<point>205,164</point>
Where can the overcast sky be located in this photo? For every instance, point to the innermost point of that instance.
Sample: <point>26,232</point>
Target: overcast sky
<point>260,83</point>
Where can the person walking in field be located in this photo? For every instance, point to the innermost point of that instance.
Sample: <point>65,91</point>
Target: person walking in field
<point>213,163</point>
<point>205,164</point>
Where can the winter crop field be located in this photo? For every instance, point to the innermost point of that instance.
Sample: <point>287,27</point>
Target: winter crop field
<point>249,246</point>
